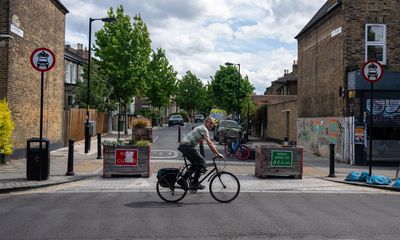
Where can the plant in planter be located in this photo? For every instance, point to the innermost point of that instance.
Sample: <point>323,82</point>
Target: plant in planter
<point>6,130</point>
<point>126,158</point>
<point>141,130</point>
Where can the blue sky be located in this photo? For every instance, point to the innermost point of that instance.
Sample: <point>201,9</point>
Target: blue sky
<point>201,35</point>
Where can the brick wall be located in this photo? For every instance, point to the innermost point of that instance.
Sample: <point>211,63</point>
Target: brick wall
<point>321,70</point>
<point>4,29</point>
<point>276,122</point>
<point>44,26</point>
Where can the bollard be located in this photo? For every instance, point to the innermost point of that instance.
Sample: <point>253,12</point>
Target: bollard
<point>331,160</point>
<point>70,167</point>
<point>98,145</point>
<point>201,146</point>
<point>179,134</point>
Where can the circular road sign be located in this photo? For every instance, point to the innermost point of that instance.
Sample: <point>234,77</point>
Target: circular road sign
<point>372,71</point>
<point>42,59</point>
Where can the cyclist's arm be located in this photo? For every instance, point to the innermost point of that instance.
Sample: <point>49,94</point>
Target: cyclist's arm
<point>212,146</point>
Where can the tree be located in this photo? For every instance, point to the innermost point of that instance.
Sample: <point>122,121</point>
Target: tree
<point>191,94</point>
<point>225,91</point>
<point>161,80</point>
<point>123,49</point>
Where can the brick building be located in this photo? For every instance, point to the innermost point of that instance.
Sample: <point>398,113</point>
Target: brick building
<point>332,95</point>
<point>285,85</point>
<point>74,60</point>
<point>25,26</point>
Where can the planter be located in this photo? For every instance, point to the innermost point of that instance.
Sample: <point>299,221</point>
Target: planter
<point>273,161</point>
<point>142,134</point>
<point>126,160</point>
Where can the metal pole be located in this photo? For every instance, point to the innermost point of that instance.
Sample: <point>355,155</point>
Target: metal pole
<point>70,168</point>
<point>238,94</point>
<point>98,145</point>
<point>332,160</point>
<point>41,126</point>
<point>371,120</point>
<point>87,140</point>
<point>179,133</point>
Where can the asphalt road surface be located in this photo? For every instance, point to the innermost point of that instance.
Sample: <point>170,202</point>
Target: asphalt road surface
<point>133,215</point>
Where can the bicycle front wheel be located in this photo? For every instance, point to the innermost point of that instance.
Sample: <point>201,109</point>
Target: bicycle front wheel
<point>171,189</point>
<point>243,152</point>
<point>224,187</point>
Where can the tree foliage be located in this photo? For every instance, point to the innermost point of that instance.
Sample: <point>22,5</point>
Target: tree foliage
<point>6,129</point>
<point>191,93</point>
<point>123,49</point>
<point>161,79</point>
<point>228,87</point>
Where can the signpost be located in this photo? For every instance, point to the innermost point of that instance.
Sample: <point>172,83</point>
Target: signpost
<point>372,71</point>
<point>43,60</point>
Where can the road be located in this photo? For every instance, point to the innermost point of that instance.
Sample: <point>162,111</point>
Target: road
<point>129,208</point>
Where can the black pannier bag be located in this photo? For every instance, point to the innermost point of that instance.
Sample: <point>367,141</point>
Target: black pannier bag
<point>167,176</point>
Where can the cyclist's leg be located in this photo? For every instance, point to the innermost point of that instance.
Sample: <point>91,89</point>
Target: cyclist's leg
<point>195,158</point>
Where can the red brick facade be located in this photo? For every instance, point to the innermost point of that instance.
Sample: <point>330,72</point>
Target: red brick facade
<point>43,25</point>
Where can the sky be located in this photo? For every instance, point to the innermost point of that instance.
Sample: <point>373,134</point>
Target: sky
<point>201,35</point>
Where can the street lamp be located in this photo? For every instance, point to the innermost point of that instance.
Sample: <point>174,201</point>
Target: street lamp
<point>238,89</point>
<point>87,127</point>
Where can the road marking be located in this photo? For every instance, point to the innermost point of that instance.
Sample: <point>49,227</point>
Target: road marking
<point>155,139</point>
<point>163,154</point>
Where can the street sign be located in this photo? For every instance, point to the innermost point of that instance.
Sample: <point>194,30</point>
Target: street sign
<point>126,157</point>
<point>42,59</point>
<point>281,158</point>
<point>372,71</point>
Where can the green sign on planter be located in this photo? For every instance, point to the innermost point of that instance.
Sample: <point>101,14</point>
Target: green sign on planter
<point>281,158</point>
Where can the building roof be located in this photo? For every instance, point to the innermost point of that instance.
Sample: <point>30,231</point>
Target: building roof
<point>60,6</point>
<point>327,8</point>
<point>72,55</point>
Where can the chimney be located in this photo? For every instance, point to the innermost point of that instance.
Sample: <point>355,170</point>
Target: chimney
<point>294,66</point>
<point>80,46</point>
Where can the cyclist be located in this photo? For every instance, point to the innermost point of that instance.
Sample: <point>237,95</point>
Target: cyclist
<point>188,148</point>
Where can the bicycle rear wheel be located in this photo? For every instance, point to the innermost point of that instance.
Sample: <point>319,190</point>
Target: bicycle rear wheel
<point>171,188</point>
<point>224,187</point>
<point>228,149</point>
<point>243,152</point>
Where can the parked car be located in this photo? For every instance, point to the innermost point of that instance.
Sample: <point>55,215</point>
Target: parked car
<point>198,118</point>
<point>228,129</point>
<point>217,115</point>
<point>175,120</point>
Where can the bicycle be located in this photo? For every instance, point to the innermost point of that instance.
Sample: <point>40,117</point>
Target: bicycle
<point>234,147</point>
<point>174,183</point>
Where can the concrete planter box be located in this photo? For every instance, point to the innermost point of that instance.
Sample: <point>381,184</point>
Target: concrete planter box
<point>142,134</point>
<point>273,161</point>
<point>126,160</point>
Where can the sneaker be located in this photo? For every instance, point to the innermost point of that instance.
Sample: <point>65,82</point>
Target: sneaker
<point>203,170</point>
<point>197,186</point>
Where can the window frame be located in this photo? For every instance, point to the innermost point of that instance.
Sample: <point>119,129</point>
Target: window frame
<point>376,43</point>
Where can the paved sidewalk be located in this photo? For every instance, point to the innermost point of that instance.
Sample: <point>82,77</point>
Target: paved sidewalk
<point>86,166</point>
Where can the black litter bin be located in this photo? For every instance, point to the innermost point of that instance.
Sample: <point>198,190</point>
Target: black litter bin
<point>38,168</point>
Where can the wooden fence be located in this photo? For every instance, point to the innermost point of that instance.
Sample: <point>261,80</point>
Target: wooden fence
<point>74,122</point>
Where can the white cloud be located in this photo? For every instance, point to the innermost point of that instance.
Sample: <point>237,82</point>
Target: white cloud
<point>201,35</point>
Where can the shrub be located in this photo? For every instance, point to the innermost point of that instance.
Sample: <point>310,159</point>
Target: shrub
<point>6,129</point>
<point>140,123</point>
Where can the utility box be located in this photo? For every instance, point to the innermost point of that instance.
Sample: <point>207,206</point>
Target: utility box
<point>275,161</point>
<point>126,160</point>
<point>38,164</point>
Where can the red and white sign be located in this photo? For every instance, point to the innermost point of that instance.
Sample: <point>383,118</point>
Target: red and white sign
<point>126,157</point>
<point>372,71</point>
<point>42,59</point>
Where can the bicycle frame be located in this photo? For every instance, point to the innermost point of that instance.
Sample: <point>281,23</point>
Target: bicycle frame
<point>209,175</point>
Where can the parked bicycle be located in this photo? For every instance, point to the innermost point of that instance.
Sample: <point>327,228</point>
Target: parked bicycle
<point>233,147</point>
<point>174,183</point>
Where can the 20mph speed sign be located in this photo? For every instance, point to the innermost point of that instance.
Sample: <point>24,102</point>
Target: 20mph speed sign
<point>372,71</point>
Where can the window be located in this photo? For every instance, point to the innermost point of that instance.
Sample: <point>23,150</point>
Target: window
<point>74,73</point>
<point>67,72</point>
<point>375,42</point>
<point>80,72</point>
<point>70,100</point>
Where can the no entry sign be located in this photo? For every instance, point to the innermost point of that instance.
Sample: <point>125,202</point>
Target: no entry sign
<point>372,71</point>
<point>42,59</point>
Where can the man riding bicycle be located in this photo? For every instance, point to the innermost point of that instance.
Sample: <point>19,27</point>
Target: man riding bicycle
<point>188,148</point>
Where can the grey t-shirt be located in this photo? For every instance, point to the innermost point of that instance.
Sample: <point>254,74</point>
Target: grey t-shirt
<point>195,136</point>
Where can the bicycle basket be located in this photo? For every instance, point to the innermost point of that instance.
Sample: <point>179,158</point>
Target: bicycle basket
<point>167,176</point>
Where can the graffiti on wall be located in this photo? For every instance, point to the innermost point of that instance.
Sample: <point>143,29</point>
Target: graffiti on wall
<point>315,135</point>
